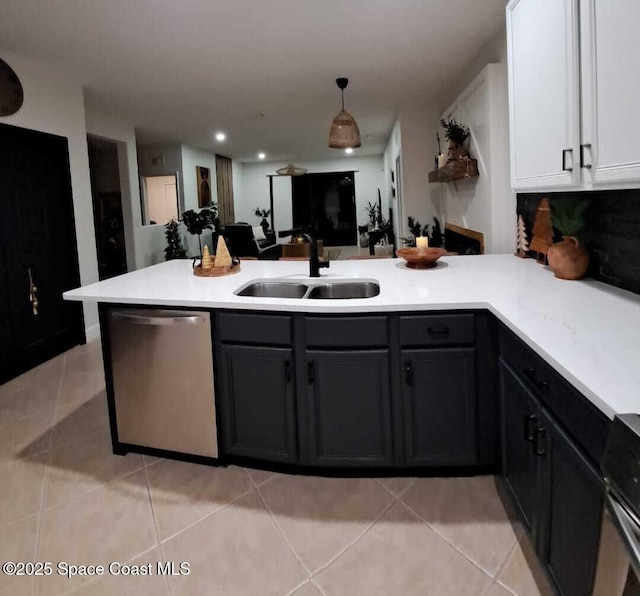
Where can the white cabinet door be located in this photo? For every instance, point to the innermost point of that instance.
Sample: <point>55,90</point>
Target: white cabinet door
<point>611,91</point>
<point>544,96</point>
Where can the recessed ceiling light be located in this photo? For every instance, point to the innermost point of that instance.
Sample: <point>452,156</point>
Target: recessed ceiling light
<point>220,136</point>
<point>348,150</point>
<point>262,155</point>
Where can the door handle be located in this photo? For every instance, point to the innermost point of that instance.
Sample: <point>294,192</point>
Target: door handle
<point>33,298</point>
<point>540,445</point>
<point>582,148</point>
<point>174,319</point>
<point>529,423</point>
<point>564,162</point>
<point>408,372</point>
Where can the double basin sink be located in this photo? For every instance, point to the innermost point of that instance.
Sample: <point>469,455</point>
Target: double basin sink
<point>334,290</point>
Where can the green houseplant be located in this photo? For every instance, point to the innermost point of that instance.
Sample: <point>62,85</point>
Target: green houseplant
<point>568,259</point>
<point>263,214</point>
<point>416,229</point>
<point>456,134</point>
<point>197,222</point>
<point>174,248</point>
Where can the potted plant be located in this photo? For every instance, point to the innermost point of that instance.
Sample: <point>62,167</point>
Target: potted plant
<point>568,259</point>
<point>174,248</point>
<point>263,214</point>
<point>456,134</point>
<point>416,229</point>
<point>197,222</point>
<point>372,210</point>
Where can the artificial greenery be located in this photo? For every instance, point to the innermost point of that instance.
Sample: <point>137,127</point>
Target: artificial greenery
<point>197,222</point>
<point>174,248</point>
<point>455,132</point>
<point>416,229</point>
<point>567,214</point>
<point>262,213</point>
<point>437,238</point>
<point>374,213</point>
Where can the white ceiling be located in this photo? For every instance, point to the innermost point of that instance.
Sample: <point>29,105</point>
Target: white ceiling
<point>263,72</point>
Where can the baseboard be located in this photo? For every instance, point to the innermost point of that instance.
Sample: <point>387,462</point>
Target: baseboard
<point>93,332</point>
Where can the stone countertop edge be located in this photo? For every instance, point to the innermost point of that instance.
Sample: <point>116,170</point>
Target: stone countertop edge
<point>586,330</point>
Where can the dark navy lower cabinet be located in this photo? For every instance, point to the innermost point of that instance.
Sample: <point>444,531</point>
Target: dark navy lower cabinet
<point>550,479</point>
<point>572,501</point>
<point>520,417</point>
<point>348,401</point>
<point>258,402</point>
<point>439,404</point>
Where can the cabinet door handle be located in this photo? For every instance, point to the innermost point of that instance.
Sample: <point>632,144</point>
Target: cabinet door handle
<point>311,372</point>
<point>582,148</point>
<point>564,160</point>
<point>540,445</point>
<point>438,330</point>
<point>408,372</point>
<point>287,371</point>
<point>531,374</point>
<point>530,422</point>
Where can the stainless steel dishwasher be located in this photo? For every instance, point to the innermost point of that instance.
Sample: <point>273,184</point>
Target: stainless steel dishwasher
<point>162,364</point>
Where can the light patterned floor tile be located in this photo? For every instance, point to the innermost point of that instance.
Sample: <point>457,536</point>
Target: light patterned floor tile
<point>84,465</point>
<point>259,477</point>
<point>396,485</point>
<point>522,574</point>
<point>468,513</point>
<point>74,422</point>
<point>18,543</point>
<point>123,584</point>
<point>21,485</point>
<point>184,493</point>
<point>401,555</point>
<point>498,590</point>
<point>25,437</point>
<point>79,386</point>
<point>236,551</point>
<point>38,399</point>
<point>112,523</point>
<point>307,589</point>
<point>321,516</point>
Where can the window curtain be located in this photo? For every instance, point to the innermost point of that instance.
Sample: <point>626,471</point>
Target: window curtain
<point>224,179</point>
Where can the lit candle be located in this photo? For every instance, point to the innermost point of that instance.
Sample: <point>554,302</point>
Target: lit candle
<point>422,243</point>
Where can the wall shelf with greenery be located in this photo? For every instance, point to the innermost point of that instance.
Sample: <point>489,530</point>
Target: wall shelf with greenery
<point>455,170</point>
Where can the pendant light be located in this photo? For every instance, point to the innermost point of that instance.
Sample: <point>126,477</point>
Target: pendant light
<point>344,133</point>
<point>291,170</point>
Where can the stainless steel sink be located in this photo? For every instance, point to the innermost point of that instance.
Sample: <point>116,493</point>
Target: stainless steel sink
<point>342,291</point>
<point>274,289</point>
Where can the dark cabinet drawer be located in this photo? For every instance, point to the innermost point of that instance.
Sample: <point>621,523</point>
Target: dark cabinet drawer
<point>436,330</point>
<point>346,332</point>
<point>588,425</point>
<point>254,329</point>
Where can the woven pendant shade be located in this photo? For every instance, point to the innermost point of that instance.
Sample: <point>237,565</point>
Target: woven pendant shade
<point>344,132</point>
<point>291,170</point>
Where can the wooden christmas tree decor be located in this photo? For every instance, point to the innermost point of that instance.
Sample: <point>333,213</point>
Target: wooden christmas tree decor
<point>542,231</point>
<point>223,257</point>
<point>207,262</point>
<point>522,243</point>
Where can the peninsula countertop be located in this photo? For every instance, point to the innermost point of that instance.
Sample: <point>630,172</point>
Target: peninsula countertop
<point>588,331</point>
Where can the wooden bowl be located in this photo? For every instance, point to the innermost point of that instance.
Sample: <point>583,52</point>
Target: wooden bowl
<point>417,260</point>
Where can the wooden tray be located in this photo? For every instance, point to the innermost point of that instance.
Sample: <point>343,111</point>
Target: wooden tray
<point>198,271</point>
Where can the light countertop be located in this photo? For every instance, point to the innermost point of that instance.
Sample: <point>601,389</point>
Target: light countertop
<point>588,331</point>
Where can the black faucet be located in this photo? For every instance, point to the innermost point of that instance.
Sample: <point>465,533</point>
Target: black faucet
<point>314,262</point>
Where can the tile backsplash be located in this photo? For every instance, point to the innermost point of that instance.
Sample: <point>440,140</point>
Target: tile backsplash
<point>611,233</point>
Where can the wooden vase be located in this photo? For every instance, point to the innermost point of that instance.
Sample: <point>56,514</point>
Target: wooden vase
<point>568,259</point>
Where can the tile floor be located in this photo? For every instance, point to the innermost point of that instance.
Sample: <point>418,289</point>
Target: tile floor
<point>65,497</point>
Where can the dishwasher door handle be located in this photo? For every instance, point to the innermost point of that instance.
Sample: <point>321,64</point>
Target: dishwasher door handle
<point>173,319</point>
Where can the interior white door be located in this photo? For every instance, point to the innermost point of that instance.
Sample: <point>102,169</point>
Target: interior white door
<point>544,100</point>
<point>611,88</point>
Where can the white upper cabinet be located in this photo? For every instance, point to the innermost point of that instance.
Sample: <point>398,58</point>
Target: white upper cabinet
<point>574,94</point>
<point>544,96</point>
<point>610,44</point>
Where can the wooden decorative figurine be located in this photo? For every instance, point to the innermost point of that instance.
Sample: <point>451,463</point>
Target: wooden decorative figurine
<point>207,261</point>
<point>223,257</point>
<point>542,231</point>
<point>522,243</point>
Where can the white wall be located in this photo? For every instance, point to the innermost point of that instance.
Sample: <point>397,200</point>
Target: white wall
<point>391,153</point>
<point>53,103</point>
<point>253,189</point>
